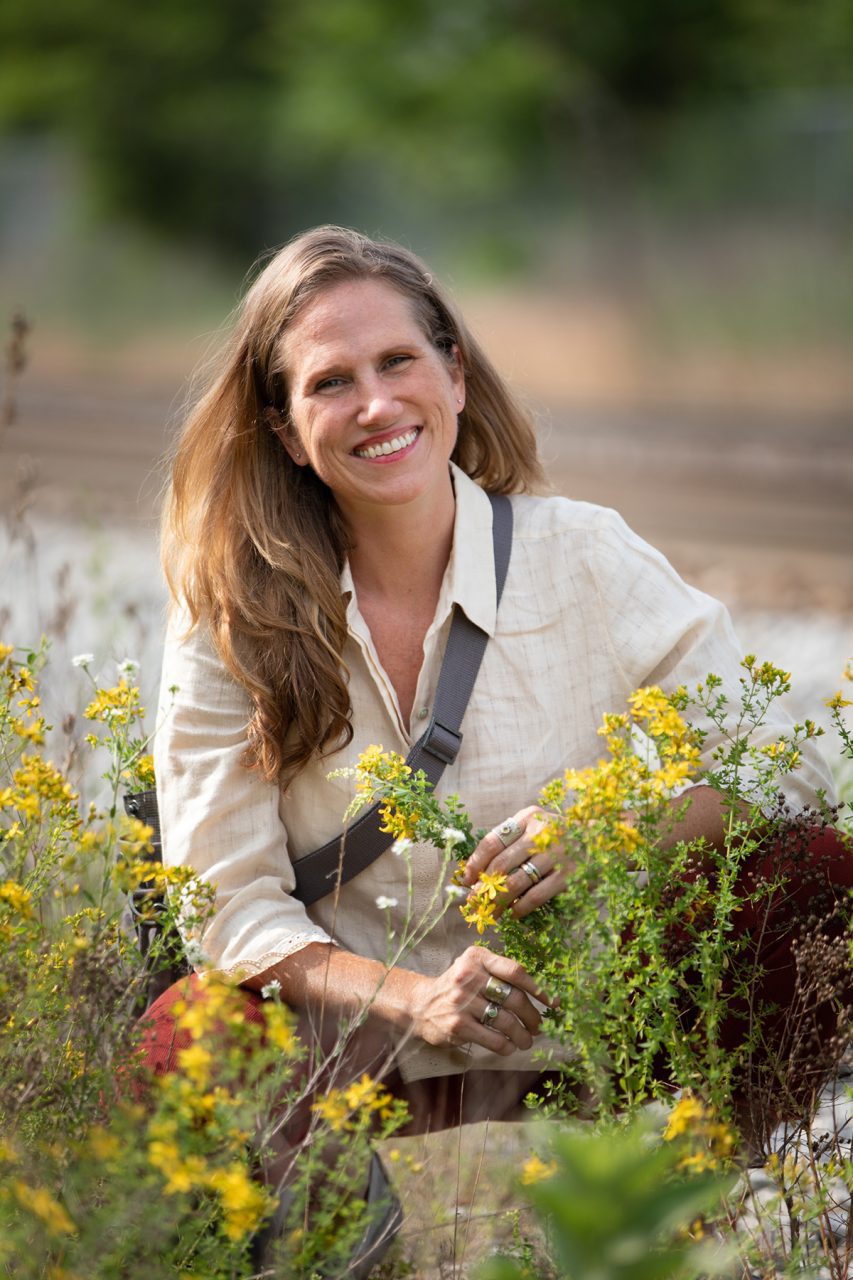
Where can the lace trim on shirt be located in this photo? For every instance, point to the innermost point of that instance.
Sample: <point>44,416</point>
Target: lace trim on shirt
<point>251,968</point>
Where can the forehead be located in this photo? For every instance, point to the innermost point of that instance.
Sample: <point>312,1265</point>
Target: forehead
<point>346,320</point>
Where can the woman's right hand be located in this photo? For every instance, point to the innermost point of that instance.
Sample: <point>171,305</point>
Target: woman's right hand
<point>449,1009</point>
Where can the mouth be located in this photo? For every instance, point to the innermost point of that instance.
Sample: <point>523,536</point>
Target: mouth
<point>387,448</point>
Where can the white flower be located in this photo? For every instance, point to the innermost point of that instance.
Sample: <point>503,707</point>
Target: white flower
<point>272,988</point>
<point>194,953</point>
<point>452,835</point>
<point>455,891</point>
<point>128,668</point>
<point>383,903</point>
<point>401,846</point>
<point>82,659</point>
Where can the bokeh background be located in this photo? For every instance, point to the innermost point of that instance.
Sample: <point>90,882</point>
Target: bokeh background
<point>644,206</point>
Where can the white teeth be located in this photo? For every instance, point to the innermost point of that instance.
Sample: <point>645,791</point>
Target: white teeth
<point>387,446</point>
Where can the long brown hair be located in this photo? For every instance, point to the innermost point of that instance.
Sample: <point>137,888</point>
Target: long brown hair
<point>253,545</point>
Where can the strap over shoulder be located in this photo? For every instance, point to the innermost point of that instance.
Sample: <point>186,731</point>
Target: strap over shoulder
<point>352,852</point>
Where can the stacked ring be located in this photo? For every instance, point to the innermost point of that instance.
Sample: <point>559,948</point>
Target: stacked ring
<point>508,831</point>
<point>532,871</point>
<point>490,1012</point>
<point>498,991</point>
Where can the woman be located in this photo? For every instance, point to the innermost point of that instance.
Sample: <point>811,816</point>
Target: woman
<point>326,514</point>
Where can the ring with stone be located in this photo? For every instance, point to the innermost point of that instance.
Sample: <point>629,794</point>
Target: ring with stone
<point>490,1012</point>
<point>498,991</point>
<point>532,871</point>
<point>508,831</point>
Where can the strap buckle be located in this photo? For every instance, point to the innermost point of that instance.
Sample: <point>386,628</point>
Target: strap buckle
<point>441,742</point>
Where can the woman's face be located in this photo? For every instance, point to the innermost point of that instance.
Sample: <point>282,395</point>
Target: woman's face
<point>373,404</point>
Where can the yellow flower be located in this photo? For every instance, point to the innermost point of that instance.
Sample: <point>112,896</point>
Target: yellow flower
<point>17,898</point>
<point>838,701</point>
<point>196,1062</point>
<point>479,911</point>
<point>6,650</point>
<point>39,1201</point>
<point>103,1144</point>
<point>334,1110</point>
<point>279,1028</point>
<point>119,705</point>
<point>243,1201</point>
<point>490,885</point>
<point>536,1170</point>
<point>688,1112</point>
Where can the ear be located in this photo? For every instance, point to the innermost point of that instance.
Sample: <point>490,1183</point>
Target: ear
<point>281,426</point>
<point>457,377</point>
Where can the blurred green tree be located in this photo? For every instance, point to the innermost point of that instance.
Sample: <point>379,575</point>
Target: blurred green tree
<point>238,121</point>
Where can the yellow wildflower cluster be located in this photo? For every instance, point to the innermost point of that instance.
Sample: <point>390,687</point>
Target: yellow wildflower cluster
<point>30,726</point>
<point>536,1170</point>
<point>597,802</point>
<point>408,1161</point>
<point>215,1004</point>
<point>782,753</point>
<point>16,898</point>
<point>279,1028</point>
<point>658,715</point>
<point>242,1202</point>
<point>342,1109</point>
<point>481,905</point>
<point>711,1143</point>
<point>119,705</point>
<point>139,773</point>
<point>44,1206</point>
<point>766,675</point>
<point>36,782</point>
<point>378,769</point>
<point>377,764</point>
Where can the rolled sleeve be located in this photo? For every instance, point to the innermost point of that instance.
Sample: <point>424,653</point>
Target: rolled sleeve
<point>664,632</point>
<point>220,818</point>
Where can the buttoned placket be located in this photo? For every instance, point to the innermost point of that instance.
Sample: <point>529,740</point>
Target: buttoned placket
<point>435,642</point>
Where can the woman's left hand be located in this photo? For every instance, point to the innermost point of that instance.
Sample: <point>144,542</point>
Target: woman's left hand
<point>508,849</point>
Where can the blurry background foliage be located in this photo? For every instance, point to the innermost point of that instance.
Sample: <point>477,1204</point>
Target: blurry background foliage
<point>231,125</point>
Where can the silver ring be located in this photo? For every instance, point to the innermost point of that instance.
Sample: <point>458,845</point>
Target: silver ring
<point>490,1012</point>
<point>508,831</point>
<point>530,870</point>
<point>497,990</point>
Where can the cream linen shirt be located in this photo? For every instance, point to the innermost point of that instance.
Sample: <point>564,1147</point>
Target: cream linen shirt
<point>589,613</point>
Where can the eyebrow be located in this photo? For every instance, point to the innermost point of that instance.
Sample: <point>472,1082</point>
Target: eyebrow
<point>334,367</point>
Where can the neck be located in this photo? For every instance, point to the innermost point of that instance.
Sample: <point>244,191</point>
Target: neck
<point>400,553</point>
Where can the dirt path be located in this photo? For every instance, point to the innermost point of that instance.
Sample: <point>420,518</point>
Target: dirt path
<point>753,502</point>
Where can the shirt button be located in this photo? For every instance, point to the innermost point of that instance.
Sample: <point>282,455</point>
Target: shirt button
<point>423,713</point>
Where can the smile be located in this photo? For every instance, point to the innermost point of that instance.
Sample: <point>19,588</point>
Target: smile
<point>388,446</point>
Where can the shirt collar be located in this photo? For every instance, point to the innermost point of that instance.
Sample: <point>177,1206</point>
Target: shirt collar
<point>469,579</point>
<point>470,576</point>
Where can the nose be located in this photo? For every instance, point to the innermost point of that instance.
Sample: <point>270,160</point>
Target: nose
<point>377,406</point>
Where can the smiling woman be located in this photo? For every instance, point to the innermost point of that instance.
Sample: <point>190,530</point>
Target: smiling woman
<point>330,520</point>
<point>374,403</point>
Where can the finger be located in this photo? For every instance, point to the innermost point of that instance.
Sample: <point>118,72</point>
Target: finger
<point>506,1024</point>
<point>492,847</point>
<point>520,881</point>
<point>511,971</point>
<point>538,894</point>
<point>520,1007</point>
<point>516,1003</point>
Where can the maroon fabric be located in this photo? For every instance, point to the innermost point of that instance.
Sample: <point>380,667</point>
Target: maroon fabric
<point>793,934</point>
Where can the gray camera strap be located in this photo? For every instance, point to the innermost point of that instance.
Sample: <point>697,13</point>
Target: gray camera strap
<point>348,854</point>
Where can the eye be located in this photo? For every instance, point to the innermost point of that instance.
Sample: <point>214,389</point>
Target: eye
<point>396,362</point>
<point>329,384</point>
